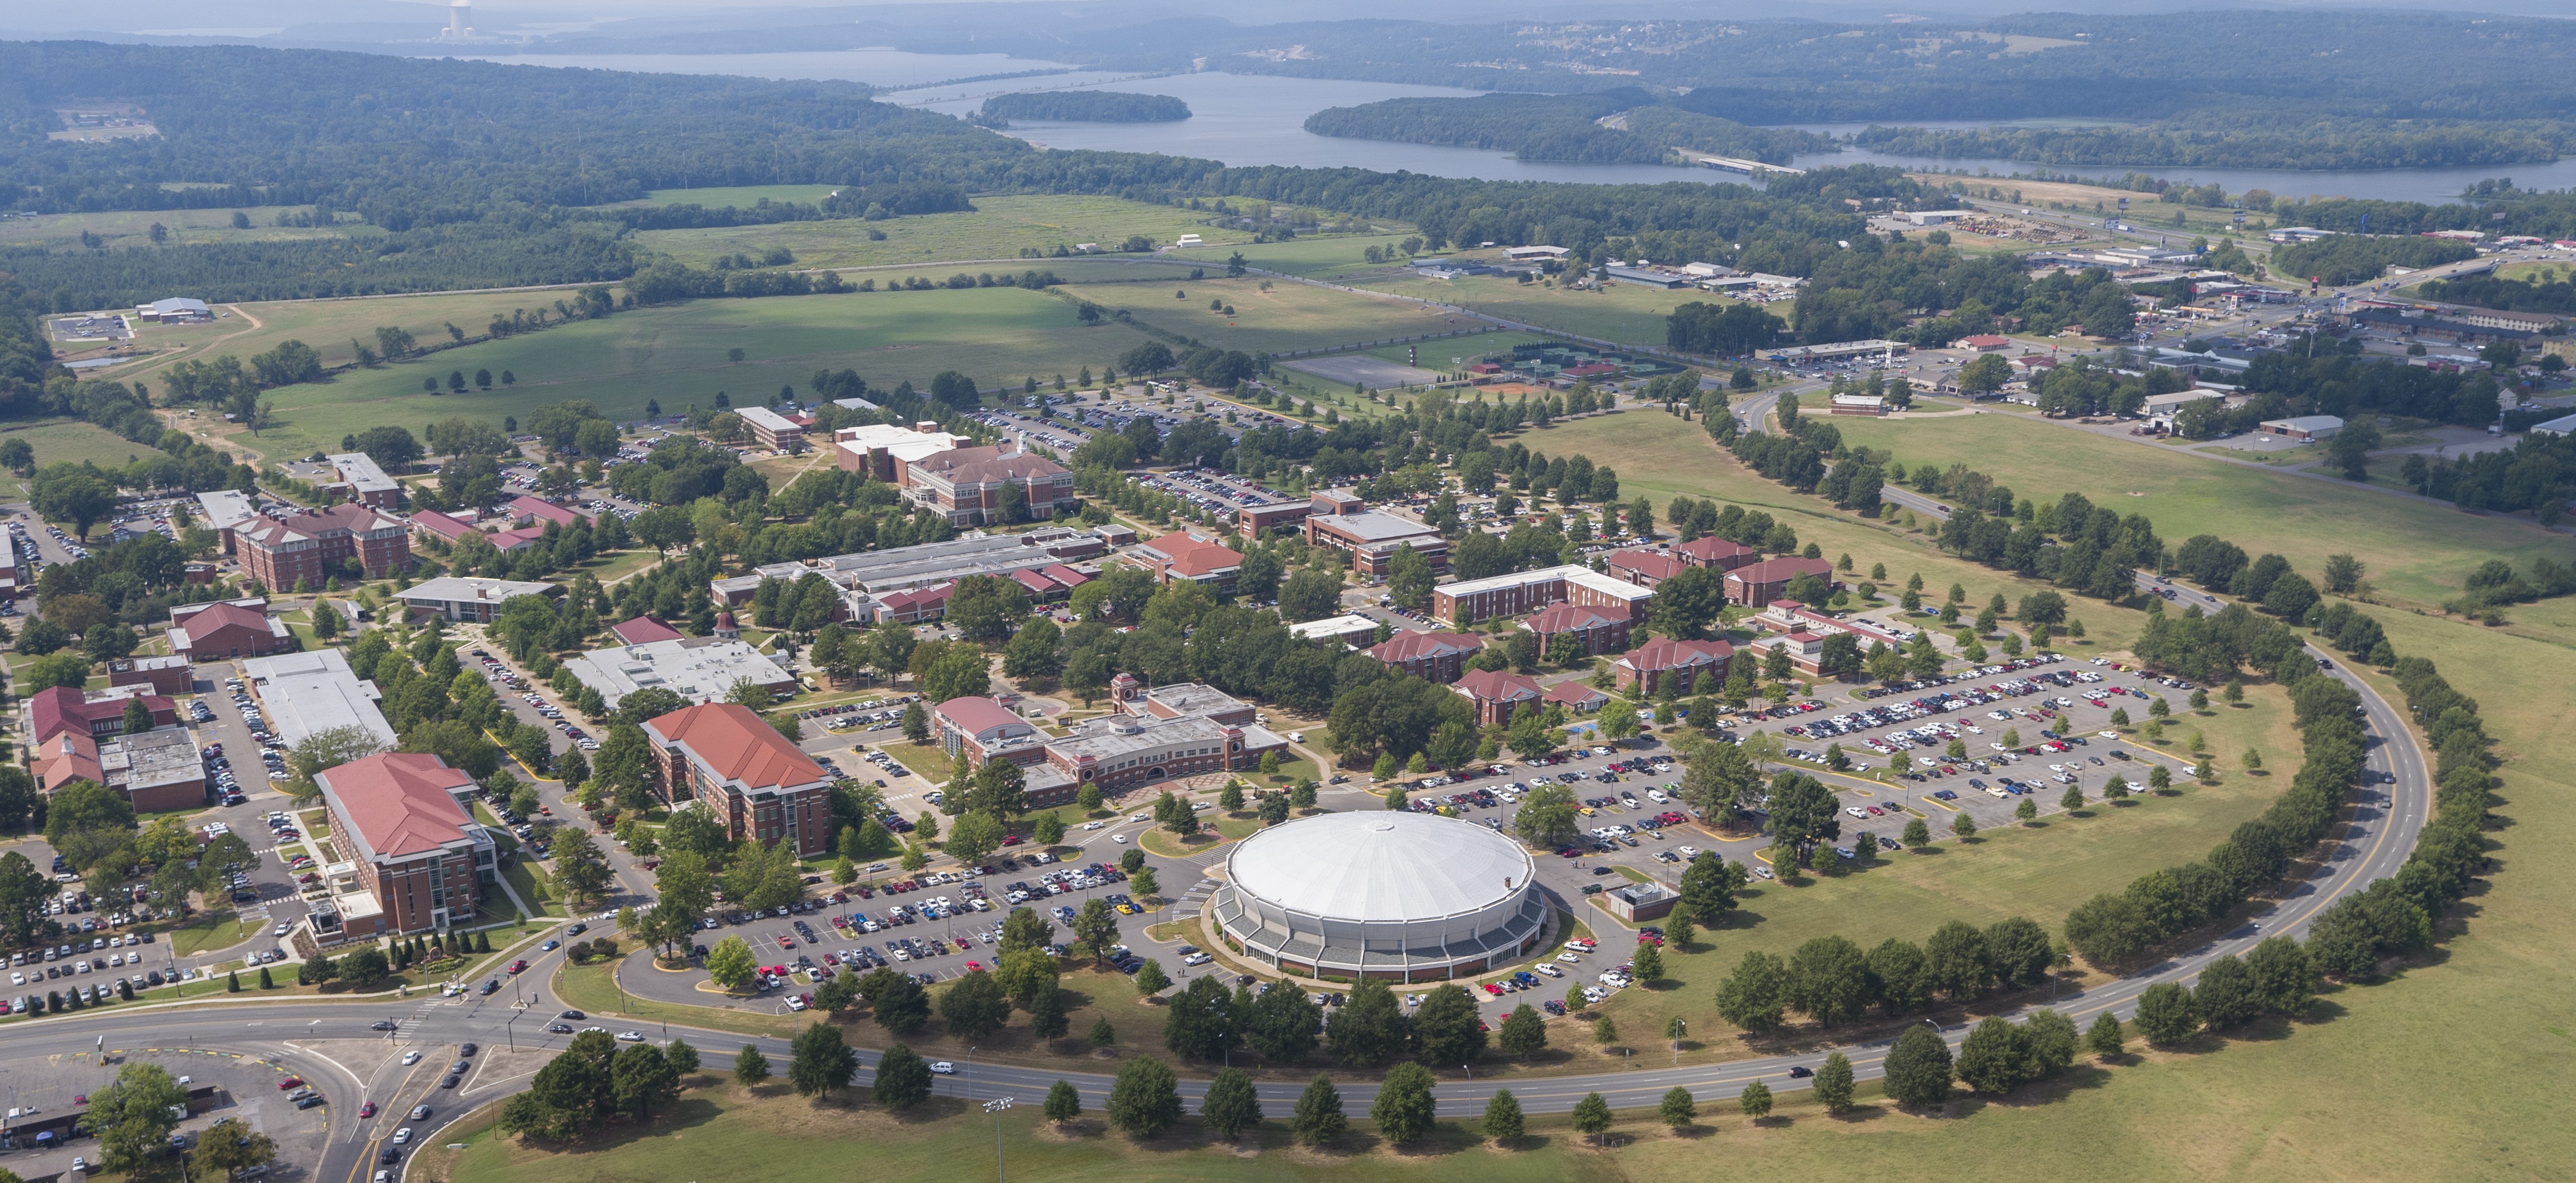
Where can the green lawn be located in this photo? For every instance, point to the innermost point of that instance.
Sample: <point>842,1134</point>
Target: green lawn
<point>1288,316</point>
<point>71,441</point>
<point>678,355</point>
<point>1624,313</point>
<point>928,761</point>
<point>533,886</point>
<point>132,229</point>
<point>210,930</point>
<point>2415,550</point>
<point>1324,257</point>
<point>999,227</point>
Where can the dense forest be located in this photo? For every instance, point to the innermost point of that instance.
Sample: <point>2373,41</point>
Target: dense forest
<point>1085,106</point>
<point>2341,259</point>
<point>2245,138</point>
<point>2533,293</point>
<point>1725,137</point>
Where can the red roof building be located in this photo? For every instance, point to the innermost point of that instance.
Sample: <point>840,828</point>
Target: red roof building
<point>65,758</point>
<point>423,862</point>
<point>919,604</point>
<point>732,761</point>
<point>1183,556</point>
<point>1598,630</point>
<point>433,524</point>
<point>1757,584</point>
<point>1433,657</point>
<point>1716,553</point>
<point>643,630</point>
<point>305,549</point>
<point>1497,694</point>
<point>1645,568</point>
<point>227,630</point>
<point>1576,695</point>
<point>967,485</point>
<point>1687,666</point>
<point>57,709</point>
<point>537,511</point>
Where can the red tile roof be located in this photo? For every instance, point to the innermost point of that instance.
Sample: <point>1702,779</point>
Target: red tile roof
<point>1665,653</point>
<point>1651,564</point>
<point>1562,617</point>
<point>1497,686</point>
<point>1065,575</point>
<point>545,511</point>
<point>349,517</point>
<point>1712,550</point>
<point>1782,570</point>
<point>66,758</point>
<point>56,709</point>
<point>737,745</point>
<point>440,524</point>
<point>401,803</point>
<point>204,621</point>
<point>1192,558</point>
<point>644,630</point>
<point>1576,693</point>
<point>1036,583</point>
<point>1407,646</point>
<point>976,714</point>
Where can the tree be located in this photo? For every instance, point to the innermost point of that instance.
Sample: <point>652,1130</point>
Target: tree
<point>1956,961</point>
<point>1502,1121</point>
<point>2284,976</point>
<point>730,964</point>
<point>1404,1107</point>
<point>131,1117</point>
<point>1756,994</point>
<point>820,1063</point>
<point>1150,979</point>
<point>1095,928</point>
<point>1918,1068</point>
<point>2027,811</point>
<point>1445,1026</point>
<point>1370,1028</point>
<point>1755,1100</point>
<point>1146,1100</point>
<point>2227,994</point>
<point>1524,1033</point>
<point>2051,1040</point>
<point>1619,719</point>
<point>581,868</point>
<point>974,1007</point>
<point>901,1006</point>
<point>1648,964</point>
<point>1995,1058</point>
<point>641,1078</point>
<point>1678,1110</point>
<point>1230,1106</point>
<point>1547,817</point>
<point>2165,1014</point>
<point>1063,1102</point>
<point>902,1080</point>
<point>2104,1039</point>
<point>1834,1083</point>
<point>1963,826</point>
<point>1318,1117</point>
<point>229,1147</point>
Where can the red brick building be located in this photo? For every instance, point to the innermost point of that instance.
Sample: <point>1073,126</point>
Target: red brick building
<point>1433,657</point>
<point>165,675</point>
<point>304,549</point>
<point>1717,553</point>
<point>1645,568</point>
<point>1183,556</point>
<point>57,709</point>
<point>1598,630</point>
<point>733,762</point>
<point>227,630</point>
<point>1757,584</point>
<point>966,485</point>
<point>423,862</point>
<point>1497,694</point>
<point>1688,666</point>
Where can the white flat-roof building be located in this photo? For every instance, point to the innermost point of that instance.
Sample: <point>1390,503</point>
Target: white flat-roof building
<point>2562,425</point>
<point>365,479</point>
<point>1352,630</point>
<point>697,669</point>
<point>467,599</point>
<point>772,429</point>
<point>306,693</point>
<point>2304,427</point>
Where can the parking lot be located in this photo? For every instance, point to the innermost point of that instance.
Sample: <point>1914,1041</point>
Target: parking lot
<point>48,1089</point>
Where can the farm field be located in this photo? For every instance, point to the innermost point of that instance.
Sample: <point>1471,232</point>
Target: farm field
<point>327,325</point>
<point>1331,257</point>
<point>1288,316</point>
<point>2415,550</point>
<point>676,354</point>
<point>1624,313</point>
<point>186,227</point>
<point>70,441</point>
<point>999,227</point>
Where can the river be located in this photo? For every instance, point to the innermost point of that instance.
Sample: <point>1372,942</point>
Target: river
<point>1259,119</point>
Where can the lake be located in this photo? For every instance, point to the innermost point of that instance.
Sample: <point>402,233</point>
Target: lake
<point>1259,119</point>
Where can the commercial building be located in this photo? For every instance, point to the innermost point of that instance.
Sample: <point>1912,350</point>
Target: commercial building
<point>1597,630</point>
<point>1498,694</point>
<point>1716,553</point>
<point>1982,343</point>
<point>224,511</point>
<point>227,629</point>
<point>302,550</point>
<point>2308,428</point>
<point>537,511</point>
<point>176,310</point>
<point>1644,567</point>
<point>700,669</point>
<point>1534,254</point>
<point>305,693</point>
<point>2490,318</point>
<point>157,770</point>
<point>1433,657</point>
<point>1529,591</point>
<point>1371,539</point>
<point>1873,347</point>
<point>1158,734</point>
<point>1858,404</point>
<point>886,452</point>
<point>1281,515</point>
<point>1357,632</point>
<point>771,429</point>
<point>2563,425</point>
<point>974,486</point>
<point>364,481</point>
<point>1653,277</point>
<point>1397,897</point>
<point>731,761</point>
<point>165,675</point>
<point>931,564</point>
<point>472,600</point>
<point>1181,556</point>
<point>1687,667</point>
<point>1757,584</point>
<point>414,858</point>
<point>58,709</point>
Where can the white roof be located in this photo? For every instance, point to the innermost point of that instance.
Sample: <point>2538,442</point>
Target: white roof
<point>1580,576</point>
<point>362,472</point>
<point>457,590</point>
<point>1333,626</point>
<point>1377,865</point>
<point>177,304</point>
<point>226,508</point>
<point>317,691</point>
<point>2563,425</point>
<point>766,419</point>
<point>694,669</point>
<point>2306,422</point>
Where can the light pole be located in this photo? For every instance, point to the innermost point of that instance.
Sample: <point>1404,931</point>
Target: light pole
<point>995,1107</point>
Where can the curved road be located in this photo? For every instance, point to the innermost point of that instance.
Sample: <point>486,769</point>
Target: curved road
<point>2385,819</point>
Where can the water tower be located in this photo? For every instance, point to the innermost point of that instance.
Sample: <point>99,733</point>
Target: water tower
<point>460,21</point>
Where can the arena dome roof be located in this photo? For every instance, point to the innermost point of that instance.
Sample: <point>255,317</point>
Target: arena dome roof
<point>1387,866</point>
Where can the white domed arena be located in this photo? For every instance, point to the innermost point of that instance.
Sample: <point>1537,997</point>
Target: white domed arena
<point>1399,897</point>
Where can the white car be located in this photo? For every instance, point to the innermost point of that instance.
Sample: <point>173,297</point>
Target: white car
<point>1856,811</point>
<point>412,1056</point>
<point>1093,825</point>
<point>630,1037</point>
<point>1120,839</point>
<point>1688,852</point>
<point>943,1068</point>
<point>402,1135</point>
<point>281,930</point>
<point>1550,970</point>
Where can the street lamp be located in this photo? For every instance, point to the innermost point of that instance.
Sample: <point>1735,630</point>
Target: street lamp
<point>995,1108</point>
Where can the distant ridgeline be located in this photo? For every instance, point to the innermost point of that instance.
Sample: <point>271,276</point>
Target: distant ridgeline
<point>1565,128</point>
<point>2247,138</point>
<point>1083,106</point>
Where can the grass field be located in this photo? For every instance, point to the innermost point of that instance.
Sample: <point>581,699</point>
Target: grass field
<point>1288,316</point>
<point>186,227</point>
<point>70,441</point>
<point>1624,313</point>
<point>999,227</point>
<point>327,326</point>
<point>2415,550</point>
<point>677,354</point>
<point>1332,257</point>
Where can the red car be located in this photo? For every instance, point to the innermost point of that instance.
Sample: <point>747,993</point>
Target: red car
<point>517,966</point>
<point>290,1083</point>
<point>786,942</point>
<point>367,1110</point>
